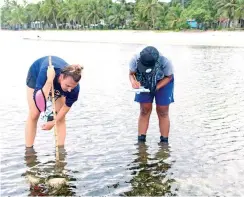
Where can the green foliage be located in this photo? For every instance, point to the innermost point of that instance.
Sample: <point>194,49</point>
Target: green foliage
<point>120,14</point>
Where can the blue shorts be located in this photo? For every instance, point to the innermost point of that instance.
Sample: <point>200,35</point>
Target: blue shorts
<point>164,96</point>
<point>31,78</point>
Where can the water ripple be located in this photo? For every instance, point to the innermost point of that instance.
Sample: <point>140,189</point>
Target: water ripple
<point>205,155</point>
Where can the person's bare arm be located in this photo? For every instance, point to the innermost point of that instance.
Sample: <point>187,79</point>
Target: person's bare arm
<point>60,115</point>
<point>134,82</point>
<point>163,82</point>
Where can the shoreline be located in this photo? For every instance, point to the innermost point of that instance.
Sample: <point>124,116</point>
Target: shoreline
<point>194,38</point>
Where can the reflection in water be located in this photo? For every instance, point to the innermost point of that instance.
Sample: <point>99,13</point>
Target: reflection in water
<point>207,121</point>
<point>49,178</point>
<point>150,173</point>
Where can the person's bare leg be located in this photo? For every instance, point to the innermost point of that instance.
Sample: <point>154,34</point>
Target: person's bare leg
<point>61,125</point>
<point>143,122</point>
<point>31,123</point>
<point>164,122</point>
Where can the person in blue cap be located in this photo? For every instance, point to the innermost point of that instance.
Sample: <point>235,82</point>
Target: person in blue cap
<point>40,78</point>
<point>151,69</point>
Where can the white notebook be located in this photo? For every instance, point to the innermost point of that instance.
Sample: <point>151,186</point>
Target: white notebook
<point>139,90</point>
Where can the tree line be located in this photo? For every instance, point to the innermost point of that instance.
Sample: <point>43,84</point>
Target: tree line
<point>120,14</point>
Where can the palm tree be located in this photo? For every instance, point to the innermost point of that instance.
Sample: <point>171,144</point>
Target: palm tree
<point>162,18</point>
<point>18,16</point>
<point>227,8</point>
<point>6,13</point>
<point>240,9</point>
<point>32,11</point>
<point>141,21</point>
<point>69,12</point>
<point>49,11</point>
<point>93,12</point>
<point>107,10</point>
<point>119,15</point>
<point>174,15</point>
<point>150,9</point>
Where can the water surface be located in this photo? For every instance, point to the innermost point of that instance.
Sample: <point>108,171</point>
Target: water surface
<point>205,154</point>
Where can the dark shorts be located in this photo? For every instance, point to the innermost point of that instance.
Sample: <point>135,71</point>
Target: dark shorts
<point>164,96</point>
<point>31,78</point>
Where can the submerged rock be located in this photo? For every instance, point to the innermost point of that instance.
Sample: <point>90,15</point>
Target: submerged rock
<point>32,179</point>
<point>57,182</point>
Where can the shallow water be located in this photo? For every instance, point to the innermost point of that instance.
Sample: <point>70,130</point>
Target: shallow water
<point>205,154</point>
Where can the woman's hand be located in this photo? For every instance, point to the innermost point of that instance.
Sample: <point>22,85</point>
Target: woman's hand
<point>135,84</point>
<point>50,73</point>
<point>48,125</point>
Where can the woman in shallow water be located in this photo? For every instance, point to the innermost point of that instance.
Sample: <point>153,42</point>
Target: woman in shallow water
<point>65,79</point>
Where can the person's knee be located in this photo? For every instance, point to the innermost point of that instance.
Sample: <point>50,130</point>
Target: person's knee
<point>145,111</point>
<point>163,112</point>
<point>34,115</point>
<point>61,121</point>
